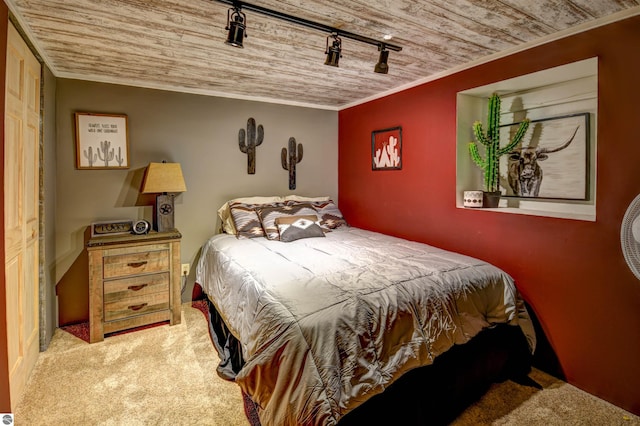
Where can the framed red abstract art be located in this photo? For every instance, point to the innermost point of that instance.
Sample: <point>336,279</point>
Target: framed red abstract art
<point>386,149</point>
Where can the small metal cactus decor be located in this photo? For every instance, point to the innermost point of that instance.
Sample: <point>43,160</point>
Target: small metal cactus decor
<point>491,141</point>
<point>248,141</point>
<point>290,160</point>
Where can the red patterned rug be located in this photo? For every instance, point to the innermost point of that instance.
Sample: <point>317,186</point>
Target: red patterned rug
<point>251,410</point>
<point>201,305</point>
<point>81,330</point>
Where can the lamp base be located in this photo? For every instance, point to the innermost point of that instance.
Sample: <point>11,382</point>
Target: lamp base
<point>164,213</point>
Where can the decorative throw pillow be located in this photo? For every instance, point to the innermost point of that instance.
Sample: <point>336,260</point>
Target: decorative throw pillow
<point>293,228</point>
<point>246,219</point>
<point>268,216</point>
<point>226,218</point>
<point>329,214</point>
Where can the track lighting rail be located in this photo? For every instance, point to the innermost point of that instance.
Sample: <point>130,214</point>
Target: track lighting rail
<point>310,24</point>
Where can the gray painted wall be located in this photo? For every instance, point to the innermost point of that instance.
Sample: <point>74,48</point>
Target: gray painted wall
<point>48,306</point>
<point>199,132</point>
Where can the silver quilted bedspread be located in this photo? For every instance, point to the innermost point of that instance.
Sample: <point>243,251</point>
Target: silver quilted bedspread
<point>326,323</point>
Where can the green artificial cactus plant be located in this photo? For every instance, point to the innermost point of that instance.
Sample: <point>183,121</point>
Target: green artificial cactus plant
<point>491,141</point>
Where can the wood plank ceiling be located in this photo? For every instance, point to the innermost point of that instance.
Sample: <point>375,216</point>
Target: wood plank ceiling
<point>179,44</point>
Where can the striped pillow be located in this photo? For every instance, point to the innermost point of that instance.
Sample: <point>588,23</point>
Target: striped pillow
<point>246,220</point>
<point>329,214</point>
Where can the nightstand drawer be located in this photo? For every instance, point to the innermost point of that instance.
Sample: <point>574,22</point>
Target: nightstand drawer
<point>131,306</point>
<point>128,264</point>
<point>115,290</point>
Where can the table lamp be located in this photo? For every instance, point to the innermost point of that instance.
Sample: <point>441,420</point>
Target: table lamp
<point>165,179</point>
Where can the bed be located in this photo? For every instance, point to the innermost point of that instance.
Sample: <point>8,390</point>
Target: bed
<point>313,327</point>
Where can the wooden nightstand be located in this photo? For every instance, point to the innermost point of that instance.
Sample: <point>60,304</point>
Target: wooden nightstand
<point>134,280</point>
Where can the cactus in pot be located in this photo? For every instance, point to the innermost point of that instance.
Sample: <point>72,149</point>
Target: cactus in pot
<point>491,140</point>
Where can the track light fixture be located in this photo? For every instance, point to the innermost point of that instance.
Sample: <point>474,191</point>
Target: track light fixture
<point>236,25</point>
<point>382,67</point>
<point>333,52</point>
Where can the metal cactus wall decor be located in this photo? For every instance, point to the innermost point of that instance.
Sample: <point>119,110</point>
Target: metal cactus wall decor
<point>105,147</point>
<point>249,141</point>
<point>289,161</point>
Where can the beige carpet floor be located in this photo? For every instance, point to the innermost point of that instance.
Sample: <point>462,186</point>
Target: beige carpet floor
<point>166,376</point>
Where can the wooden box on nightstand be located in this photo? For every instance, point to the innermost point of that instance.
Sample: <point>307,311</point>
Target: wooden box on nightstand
<point>134,280</point>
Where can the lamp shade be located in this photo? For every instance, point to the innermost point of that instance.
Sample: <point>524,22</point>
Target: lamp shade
<point>163,178</point>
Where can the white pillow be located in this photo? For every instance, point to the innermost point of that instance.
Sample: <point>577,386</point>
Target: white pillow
<point>301,198</point>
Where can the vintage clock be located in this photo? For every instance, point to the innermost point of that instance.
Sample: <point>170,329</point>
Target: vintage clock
<point>141,227</point>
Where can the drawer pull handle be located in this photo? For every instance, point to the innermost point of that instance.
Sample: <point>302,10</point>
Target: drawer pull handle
<point>137,287</point>
<point>137,307</point>
<point>137,264</point>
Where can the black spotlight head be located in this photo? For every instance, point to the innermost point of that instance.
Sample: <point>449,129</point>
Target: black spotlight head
<point>382,67</point>
<point>236,27</point>
<point>334,52</point>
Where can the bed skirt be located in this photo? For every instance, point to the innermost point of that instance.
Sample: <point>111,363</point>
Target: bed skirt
<point>433,394</point>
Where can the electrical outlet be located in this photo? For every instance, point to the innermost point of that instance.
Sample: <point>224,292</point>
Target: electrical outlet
<point>185,269</point>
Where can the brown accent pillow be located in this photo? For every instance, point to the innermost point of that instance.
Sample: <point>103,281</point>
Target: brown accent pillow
<point>224,212</point>
<point>288,220</point>
<point>268,216</point>
<point>246,219</point>
<point>294,228</point>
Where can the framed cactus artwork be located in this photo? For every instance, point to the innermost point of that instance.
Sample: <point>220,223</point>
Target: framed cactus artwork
<point>386,149</point>
<point>102,141</point>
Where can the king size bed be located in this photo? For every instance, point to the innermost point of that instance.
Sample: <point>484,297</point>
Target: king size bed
<point>313,326</point>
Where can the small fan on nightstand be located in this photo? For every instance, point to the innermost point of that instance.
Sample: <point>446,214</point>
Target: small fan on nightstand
<point>630,236</point>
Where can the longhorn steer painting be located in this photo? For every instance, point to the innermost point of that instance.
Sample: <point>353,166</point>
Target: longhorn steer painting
<point>553,161</point>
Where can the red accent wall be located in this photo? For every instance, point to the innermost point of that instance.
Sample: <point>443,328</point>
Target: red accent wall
<point>572,272</point>
<point>5,401</point>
